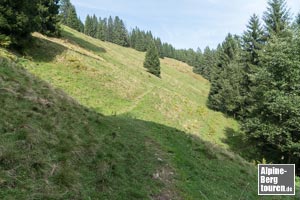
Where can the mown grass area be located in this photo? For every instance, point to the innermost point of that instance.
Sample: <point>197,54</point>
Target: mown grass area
<point>114,132</point>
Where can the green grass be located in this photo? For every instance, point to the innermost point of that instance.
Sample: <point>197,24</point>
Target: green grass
<point>111,80</point>
<point>109,130</point>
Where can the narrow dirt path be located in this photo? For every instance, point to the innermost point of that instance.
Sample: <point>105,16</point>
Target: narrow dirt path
<point>136,101</point>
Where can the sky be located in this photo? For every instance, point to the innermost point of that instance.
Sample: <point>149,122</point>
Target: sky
<point>182,23</point>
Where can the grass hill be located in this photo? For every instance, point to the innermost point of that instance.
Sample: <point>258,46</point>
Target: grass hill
<point>82,119</point>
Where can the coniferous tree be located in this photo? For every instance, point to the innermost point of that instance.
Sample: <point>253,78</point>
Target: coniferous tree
<point>64,10</point>
<point>253,41</point>
<point>273,125</point>
<point>88,25</point>
<point>94,26</point>
<point>141,43</point>
<point>69,15</point>
<point>152,63</point>
<point>120,34</point>
<point>47,17</point>
<point>138,39</point>
<point>101,31</point>
<point>199,63</point>
<point>133,38</point>
<point>148,40</point>
<point>81,26</point>
<point>225,94</point>
<point>158,45</point>
<point>205,64</point>
<point>72,20</point>
<point>276,17</point>
<point>18,19</point>
<point>298,19</point>
<point>110,29</point>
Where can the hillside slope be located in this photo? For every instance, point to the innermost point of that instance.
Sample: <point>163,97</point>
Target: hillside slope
<point>111,80</point>
<point>114,132</point>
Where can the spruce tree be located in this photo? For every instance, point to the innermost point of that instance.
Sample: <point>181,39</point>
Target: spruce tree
<point>253,41</point>
<point>133,38</point>
<point>120,34</point>
<point>110,29</point>
<point>102,28</point>
<point>298,19</point>
<point>94,26</point>
<point>206,63</point>
<point>81,26</point>
<point>152,63</point>
<point>158,45</point>
<point>277,17</point>
<point>140,40</point>
<point>47,17</point>
<point>273,124</point>
<point>72,20</point>
<point>69,15</point>
<point>17,20</point>
<point>225,94</point>
<point>88,25</point>
<point>64,10</point>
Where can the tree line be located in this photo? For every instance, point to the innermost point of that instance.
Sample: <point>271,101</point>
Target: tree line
<point>113,29</point>
<point>255,78</point>
<point>19,19</point>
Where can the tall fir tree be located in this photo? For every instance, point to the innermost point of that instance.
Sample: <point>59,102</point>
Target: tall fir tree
<point>298,19</point>
<point>88,25</point>
<point>273,124</point>
<point>18,19</point>
<point>81,25</point>
<point>47,17</point>
<point>152,63</point>
<point>205,64</point>
<point>94,26</point>
<point>102,28</point>
<point>72,20</point>
<point>64,10</point>
<point>277,17</point>
<point>225,94</point>
<point>253,41</point>
<point>120,33</point>
<point>158,45</point>
<point>110,29</point>
<point>69,15</point>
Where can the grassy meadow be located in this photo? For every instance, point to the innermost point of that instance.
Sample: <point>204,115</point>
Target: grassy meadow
<point>82,119</point>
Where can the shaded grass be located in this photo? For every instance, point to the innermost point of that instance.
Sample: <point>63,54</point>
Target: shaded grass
<point>83,43</point>
<point>51,147</point>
